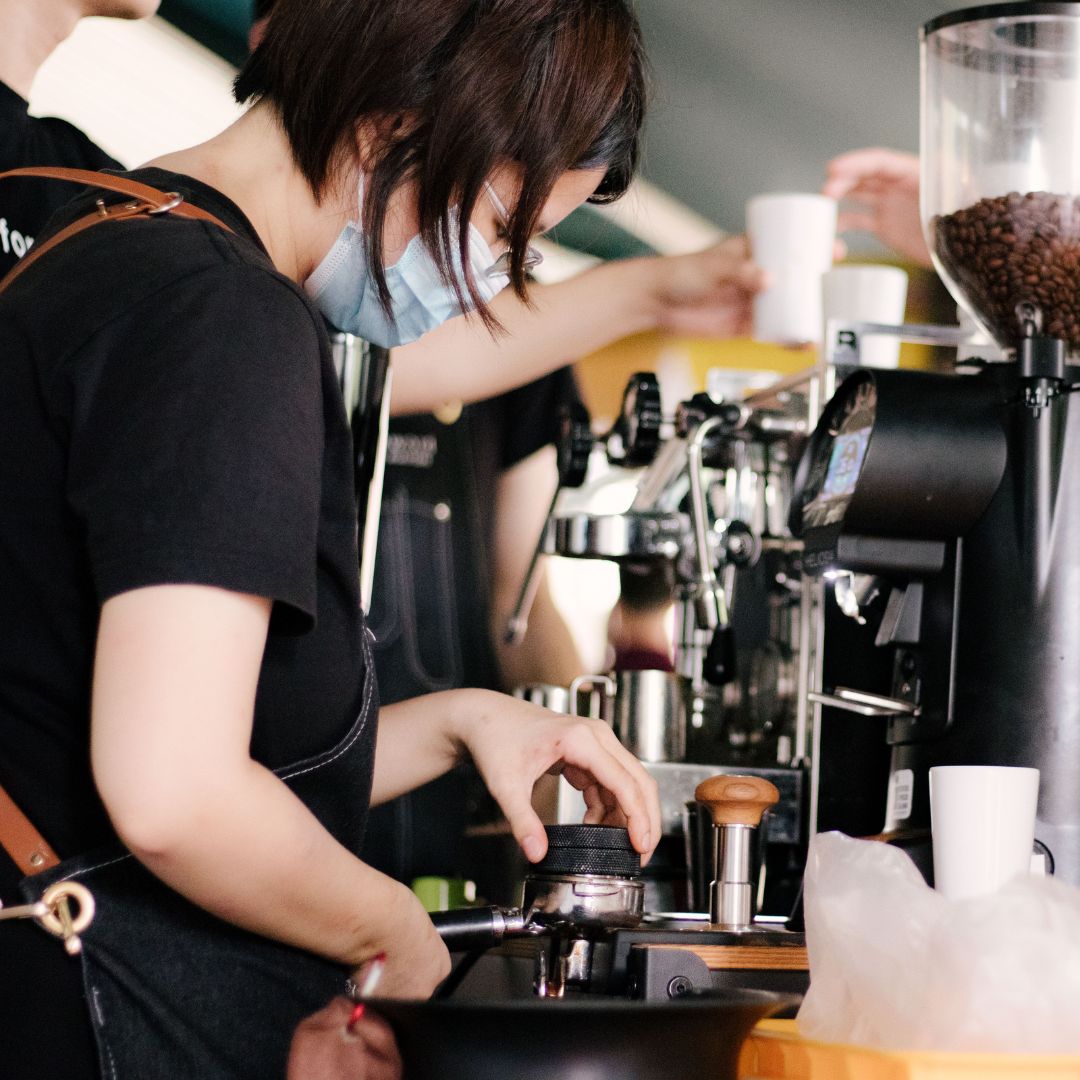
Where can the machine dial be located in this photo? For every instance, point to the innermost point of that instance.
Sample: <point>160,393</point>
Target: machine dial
<point>573,445</point>
<point>638,426</point>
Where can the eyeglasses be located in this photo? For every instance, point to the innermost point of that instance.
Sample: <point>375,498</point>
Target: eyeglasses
<point>501,266</point>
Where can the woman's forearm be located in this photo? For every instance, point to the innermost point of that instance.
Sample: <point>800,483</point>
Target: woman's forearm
<point>245,848</point>
<point>175,678</point>
<point>419,739</point>
<point>461,361</point>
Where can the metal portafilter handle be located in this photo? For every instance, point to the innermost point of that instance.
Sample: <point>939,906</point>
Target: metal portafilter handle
<point>587,885</point>
<point>736,804</point>
<point>465,929</point>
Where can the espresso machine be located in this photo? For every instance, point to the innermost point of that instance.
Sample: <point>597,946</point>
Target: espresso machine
<point>943,511</point>
<point>700,492</point>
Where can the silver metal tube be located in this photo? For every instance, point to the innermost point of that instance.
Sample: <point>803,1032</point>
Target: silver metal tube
<point>733,851</point>
<point>731,898</point>
<point>709,601</point>
<point>374,503</point>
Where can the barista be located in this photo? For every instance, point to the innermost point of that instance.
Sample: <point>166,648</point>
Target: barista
<point>29,34</point>
<point>468,483</point>
<point>206,582</point>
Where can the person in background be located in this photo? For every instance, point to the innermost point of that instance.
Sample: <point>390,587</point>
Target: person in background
<point>881,188</point>
<point>29,31</point>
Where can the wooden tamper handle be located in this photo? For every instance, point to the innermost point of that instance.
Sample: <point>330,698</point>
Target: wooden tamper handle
<point>736,804</point>
<point>737,800</point>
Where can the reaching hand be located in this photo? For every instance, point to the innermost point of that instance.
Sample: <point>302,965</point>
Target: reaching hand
<point>709,293</point>
<point>882,187</point>
<point>327,1047</point>
<point>514,743</point>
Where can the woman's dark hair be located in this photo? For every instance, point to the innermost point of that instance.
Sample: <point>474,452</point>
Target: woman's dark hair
<point>455,89</point>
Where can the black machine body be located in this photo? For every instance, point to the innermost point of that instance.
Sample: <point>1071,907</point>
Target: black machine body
<point>958,497</point>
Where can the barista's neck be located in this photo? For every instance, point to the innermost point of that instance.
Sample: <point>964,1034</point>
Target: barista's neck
<point>31,30</point>
<point>252,163</point>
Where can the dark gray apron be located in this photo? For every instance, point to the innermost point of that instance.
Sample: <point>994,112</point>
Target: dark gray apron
<point>174,992</point>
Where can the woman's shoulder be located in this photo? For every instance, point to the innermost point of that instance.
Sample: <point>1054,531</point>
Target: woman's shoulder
<point>161,282</point>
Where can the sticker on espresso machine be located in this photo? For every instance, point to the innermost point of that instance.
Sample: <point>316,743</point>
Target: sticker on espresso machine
<point>901,793</point>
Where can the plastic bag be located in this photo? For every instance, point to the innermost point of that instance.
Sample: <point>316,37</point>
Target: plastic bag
<point>895,965</point>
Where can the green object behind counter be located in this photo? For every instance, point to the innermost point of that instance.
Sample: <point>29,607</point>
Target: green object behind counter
<point>442,894</point>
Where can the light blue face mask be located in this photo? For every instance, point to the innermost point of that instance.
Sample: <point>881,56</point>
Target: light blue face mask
<point>343,286</point>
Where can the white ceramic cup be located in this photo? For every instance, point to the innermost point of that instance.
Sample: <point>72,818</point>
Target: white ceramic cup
<point>792,237</point>
<point>867,294</point>
<point>983,822</point>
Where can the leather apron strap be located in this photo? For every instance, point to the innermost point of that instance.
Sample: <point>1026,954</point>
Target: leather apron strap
<point>148,201</point>
<point>28,849</point>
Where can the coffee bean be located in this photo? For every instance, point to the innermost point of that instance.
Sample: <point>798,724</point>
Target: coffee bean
<point>1012,249</point>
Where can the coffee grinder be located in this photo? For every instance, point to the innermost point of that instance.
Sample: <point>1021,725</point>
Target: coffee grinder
<point>954,500</point>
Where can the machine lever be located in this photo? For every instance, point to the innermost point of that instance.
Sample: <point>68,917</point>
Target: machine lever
<point>718,668</point>
<point>710,602</point>
<point>518,623</point>
<point>856,701</point>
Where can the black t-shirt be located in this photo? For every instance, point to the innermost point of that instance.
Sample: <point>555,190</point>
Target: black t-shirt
<point>25,141</point>
<point>169,413</point>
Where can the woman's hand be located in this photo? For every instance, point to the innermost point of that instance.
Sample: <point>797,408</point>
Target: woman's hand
<point>882,187</point>
<point>416,958</point>
<point>514,743</point>
<point>327,1047</point>
<point>709,293</point>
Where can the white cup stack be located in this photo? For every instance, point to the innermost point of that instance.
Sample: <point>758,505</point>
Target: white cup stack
<point>792,238</point>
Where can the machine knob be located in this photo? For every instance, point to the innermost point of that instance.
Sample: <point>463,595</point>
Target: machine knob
<point>742,546</point>
<point>737,800</point>
<point>573,445</point>
<point>638,426</point>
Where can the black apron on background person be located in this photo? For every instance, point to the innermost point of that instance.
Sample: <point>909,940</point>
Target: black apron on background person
<point>25,140</point>
<point>431,609</point>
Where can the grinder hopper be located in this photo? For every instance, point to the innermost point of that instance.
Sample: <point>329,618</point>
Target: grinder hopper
<point>1000,156</point>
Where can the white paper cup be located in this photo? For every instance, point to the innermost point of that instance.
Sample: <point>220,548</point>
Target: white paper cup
<point>983,823</point>
<point>867,294</point>
<point>792,236</point>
